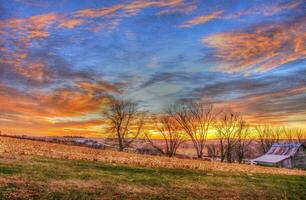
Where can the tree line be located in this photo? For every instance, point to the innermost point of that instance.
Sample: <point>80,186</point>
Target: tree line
<point>193,122</point>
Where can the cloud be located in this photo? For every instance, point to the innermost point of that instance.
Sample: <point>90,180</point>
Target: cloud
<point>201,19</point>
<point>270,107</point>
<point>184,8</point>
<point>42,80</point>
<point>70,23</point>
<point>19,34</point>
<point>271,97</point>
<point>100,12</point>
<point>141,4</point>
<point>129,9</point>
<point>262,47</point>
<point>64,101</point>
<point>33,110</point>
<point>265,10</point>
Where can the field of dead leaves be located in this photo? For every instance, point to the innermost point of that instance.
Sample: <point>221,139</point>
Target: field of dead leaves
<point>40,170</point>
<point>18,148</point>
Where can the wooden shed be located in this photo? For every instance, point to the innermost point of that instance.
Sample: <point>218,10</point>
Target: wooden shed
<point>287,155</point>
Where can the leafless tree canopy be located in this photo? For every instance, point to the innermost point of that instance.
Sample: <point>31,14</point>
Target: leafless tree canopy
<point>267,136</point>
<point>169,129</point>
<point>125,122</point>
<point>244,140</point>
<point>195,119</point>
<point>213,150</point>
<point>294,135</point>
<point>228,127</point>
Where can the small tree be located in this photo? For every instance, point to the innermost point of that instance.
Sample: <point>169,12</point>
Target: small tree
<point>195,119</point>
<point>212,150</point>
<point>243,140</point>
<point>228,128</point>
<point>268,136</point>
<point>125,122</point>
<point>300,136</point>
<point>221,139</point>
<point>171,136</point>
<point>294,135</point>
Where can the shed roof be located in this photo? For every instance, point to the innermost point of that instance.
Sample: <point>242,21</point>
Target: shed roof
<point>270,158</point>
<point>285,149</point>
<point>279,152</point>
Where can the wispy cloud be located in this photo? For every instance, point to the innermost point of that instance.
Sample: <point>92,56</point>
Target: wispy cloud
<point>262,47</point>
<point>201,19</point>
<point>34,110</point>
<point>183,8</point>
<point>265,10</point>
<point>19,33</point>
<point>58,69</point>
<point>270,107</point>
<point>100,12</point>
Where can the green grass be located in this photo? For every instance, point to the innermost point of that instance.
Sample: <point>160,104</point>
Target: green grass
<point>46,178</point>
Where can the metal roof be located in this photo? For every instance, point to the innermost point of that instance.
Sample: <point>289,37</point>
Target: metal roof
<point>286,149</point>
<point>270,158</point>
<point>279,152</point>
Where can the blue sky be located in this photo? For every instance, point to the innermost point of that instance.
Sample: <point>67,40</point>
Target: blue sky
<point>68,59</point>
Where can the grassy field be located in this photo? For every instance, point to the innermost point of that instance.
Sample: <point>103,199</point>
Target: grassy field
<point>37,170</point>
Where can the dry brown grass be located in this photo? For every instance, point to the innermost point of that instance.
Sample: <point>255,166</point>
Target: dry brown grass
<point>18,148</point>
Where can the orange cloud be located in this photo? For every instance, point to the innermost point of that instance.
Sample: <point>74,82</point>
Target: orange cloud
<point>98,86</point>
<point>70,101</point>
<point>124,10</point>
<point>29,28</point>
<point>93,13</point>
<point>201,19</point>
<point>34,110</point>
<point>70,23</point>
<point>35,25</point>
<point>263,48</point>
<point>141,4</point>
<point>35,71</point>
<point>18,33</point>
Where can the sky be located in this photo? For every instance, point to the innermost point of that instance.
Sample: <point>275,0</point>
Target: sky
<point>63,61</point>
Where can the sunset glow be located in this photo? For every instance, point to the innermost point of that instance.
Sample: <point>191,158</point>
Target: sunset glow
<point>63,62</point>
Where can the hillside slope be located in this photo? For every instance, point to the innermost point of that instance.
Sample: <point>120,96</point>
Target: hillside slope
<point>38,170</point>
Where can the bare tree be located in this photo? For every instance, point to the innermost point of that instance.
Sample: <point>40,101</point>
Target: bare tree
<point>172,137</point>
<point>125,122</point>
<point>289,135</point>
<point>221,139</point>
<point>228,128</point>
<point>195,119</point>
<point>293,135</point>
<point>268,136</point>
<point>212,150</point>
<point>300,136</point>
<point>244,140</point>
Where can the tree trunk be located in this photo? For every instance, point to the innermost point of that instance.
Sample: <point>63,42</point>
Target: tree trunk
<point>229,155</point>
<point>222,154</point>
